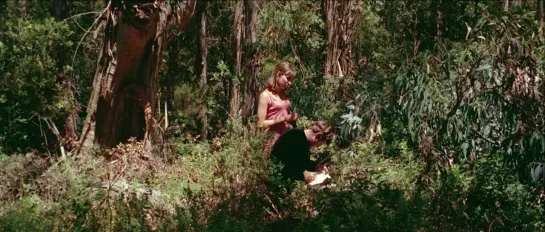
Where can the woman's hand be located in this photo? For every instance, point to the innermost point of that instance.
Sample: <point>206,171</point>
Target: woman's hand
<point>289,118</point>
<point>294,117</point>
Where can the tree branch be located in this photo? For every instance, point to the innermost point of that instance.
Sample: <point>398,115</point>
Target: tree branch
<point>82,14</point>
<point>459,94</point>
<point>182,12</point>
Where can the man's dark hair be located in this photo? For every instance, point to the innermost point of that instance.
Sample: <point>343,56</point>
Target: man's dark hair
<point>325,128</point>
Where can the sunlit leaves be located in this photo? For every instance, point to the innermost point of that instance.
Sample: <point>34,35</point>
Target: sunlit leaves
<point>474,98</point>
<point>279,22</point>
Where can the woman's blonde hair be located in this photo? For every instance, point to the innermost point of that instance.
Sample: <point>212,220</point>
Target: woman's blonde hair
<point>284,68</point>
<point>324,127</point>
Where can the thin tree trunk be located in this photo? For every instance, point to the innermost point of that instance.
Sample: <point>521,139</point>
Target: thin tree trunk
<point>439,19</point>
<point>340,35</point>
<point>166,115</point>
<point>234,101</point>
<point>252,61</point>
<point>70,133</point>
<point>332,43</point>
<point>122,102</point>
<point>159,95</point>
<point>541,15</point>
<point>203,79</point>
<point>505,5</point>
<point>390,16</point>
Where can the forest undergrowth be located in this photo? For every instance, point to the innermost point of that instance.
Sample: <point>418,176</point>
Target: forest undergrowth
<point>227,185</point>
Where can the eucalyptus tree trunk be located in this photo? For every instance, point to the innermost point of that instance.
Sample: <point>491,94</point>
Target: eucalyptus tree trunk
<point>439,19</point>
<point>340,34</point>
<point>252,61</point>
<point>390,21</point>
<point>203,79</point>
<point>541,15</point>
<point>238,31</point>
<point>122,102</point>
<point>247,59</point>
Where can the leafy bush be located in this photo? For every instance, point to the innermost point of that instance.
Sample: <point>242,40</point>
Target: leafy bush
<point>228,185</point>
<point>30,90</point>
<point>497,200</point>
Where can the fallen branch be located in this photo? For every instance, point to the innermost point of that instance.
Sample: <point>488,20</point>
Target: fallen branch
<point>278,215</point>
<point>53,128</point>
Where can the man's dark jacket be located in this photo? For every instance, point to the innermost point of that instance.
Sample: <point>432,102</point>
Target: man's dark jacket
<point>292,149</point>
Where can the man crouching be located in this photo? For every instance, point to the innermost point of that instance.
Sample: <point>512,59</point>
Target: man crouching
<point>292,150</point>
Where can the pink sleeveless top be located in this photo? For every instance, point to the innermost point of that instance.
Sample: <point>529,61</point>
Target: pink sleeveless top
<point>277,108</point>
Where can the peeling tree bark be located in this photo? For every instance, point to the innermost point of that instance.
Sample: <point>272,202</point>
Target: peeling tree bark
<point>251,59</point>
<point>247,61</point>
<point>234,101</point>
<point>340,34</point>
<point>122,102</point>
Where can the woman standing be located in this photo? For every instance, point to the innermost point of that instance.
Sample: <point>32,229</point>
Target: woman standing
<point>274,108</point>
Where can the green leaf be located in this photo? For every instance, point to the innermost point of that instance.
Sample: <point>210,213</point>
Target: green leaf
<point>486,130</point>
<point>477,85</point>
<point>464,147</point>
<point>483,67</point>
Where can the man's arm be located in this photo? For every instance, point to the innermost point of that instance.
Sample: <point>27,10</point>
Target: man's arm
<point>310,165</point>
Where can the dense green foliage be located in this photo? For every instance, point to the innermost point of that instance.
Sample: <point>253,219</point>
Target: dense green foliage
<point>32,42</point>
<point>437,130</point>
